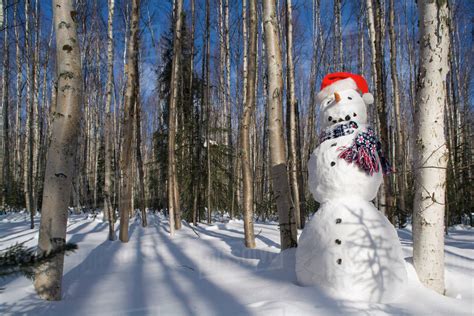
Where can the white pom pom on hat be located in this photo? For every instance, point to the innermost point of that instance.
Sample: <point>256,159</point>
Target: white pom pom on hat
<point>368,98</point>
<point>342,81</point>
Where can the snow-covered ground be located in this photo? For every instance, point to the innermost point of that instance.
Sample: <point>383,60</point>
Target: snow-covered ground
<point>208,271</point>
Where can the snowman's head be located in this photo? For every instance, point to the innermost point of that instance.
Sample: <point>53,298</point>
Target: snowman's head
<point>343,99</point>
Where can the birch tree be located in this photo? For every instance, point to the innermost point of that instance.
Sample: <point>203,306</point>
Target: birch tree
<point>131,94</point>
<point>399,152</point>
<point>338,62</point>
<point>281,186</point>
<point>173,193</point>
<point>29,128</point>
<point>61,151</point>
<point>375,24</point>
<point>292,119</point>
<point>4,128</point>
<point>248,112</point>
<point>430,145</point>
<point>109,213</point>
<point>2,5</point>
<point>207,93</point>
<point>19,78</point>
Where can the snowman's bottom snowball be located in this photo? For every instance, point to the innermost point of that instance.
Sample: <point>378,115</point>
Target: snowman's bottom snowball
<point>350,250</point>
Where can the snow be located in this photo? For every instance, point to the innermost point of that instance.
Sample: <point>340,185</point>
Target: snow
<point>211,275</point>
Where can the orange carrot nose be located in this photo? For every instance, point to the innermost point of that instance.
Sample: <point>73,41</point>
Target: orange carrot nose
<point>337,97</point>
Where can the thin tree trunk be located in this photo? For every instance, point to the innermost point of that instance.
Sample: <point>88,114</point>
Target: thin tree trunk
<point>28,153</point>
<point>36,116</point>
<point>4,151</point>
<point>430,145</point>
<point>361,31</point>
<point>208,113</point>
<point>139,161</point>
<point>230,144</point>
<point>291,105</point>
<point>281,188</point>
<point>173,193</point>
<point>338,62</point>
<point>2,5</point>
<point>109,176</point>
<point>248,112</point>
<point>399,153</point>
<point>374,20</point>
<point>18,166</point>
<point>131,95</point>
<point>61,151</point>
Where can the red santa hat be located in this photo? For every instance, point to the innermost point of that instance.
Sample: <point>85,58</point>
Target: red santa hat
<point>339,81</point>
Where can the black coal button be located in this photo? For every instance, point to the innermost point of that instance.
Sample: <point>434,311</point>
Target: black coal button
<point>338,221</point>
<point>333,163</point>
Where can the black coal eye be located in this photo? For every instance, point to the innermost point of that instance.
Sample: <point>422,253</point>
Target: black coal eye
<point>330,118</point>
<point>349,98</point>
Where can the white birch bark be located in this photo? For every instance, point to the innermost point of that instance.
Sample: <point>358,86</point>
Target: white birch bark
<point>430,145</point>
<point>108,207</point>
<point>248,112</point>
<point>4,129</point>
<point>292,126</point>
<point>173,193</point>
<point>61,151</point>
<point>131,93</point>
<point>281,186</point>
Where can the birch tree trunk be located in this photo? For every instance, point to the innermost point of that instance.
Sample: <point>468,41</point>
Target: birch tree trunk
<point>2,5</point>
<point>108,177</point>
<point>208,112</point>
<point>18,150</point>
<point>230,144</point>
<point>248,111</point>
<point>4,129</point>
<point>173,200</point>
<point>61,151</point>
<point>36,113</point>
<point>28,150</point>
<point>291,105</point>
<point>399,152</point>
<point>374,20</point>
<point>430,145</point>
<point>338,62</point>
<point>281,188</point>
<point>131,94</point>
<point>139,161</point>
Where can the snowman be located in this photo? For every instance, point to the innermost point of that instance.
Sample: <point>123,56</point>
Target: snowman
<point>349,248</point>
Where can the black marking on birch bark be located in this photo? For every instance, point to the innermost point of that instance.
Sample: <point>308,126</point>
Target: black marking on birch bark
<point>67,75</point>
<point>60,175</point>
<point>63,24</point>
<point>67,48</point>
<point>74,16</point>
<point>65,87</point>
